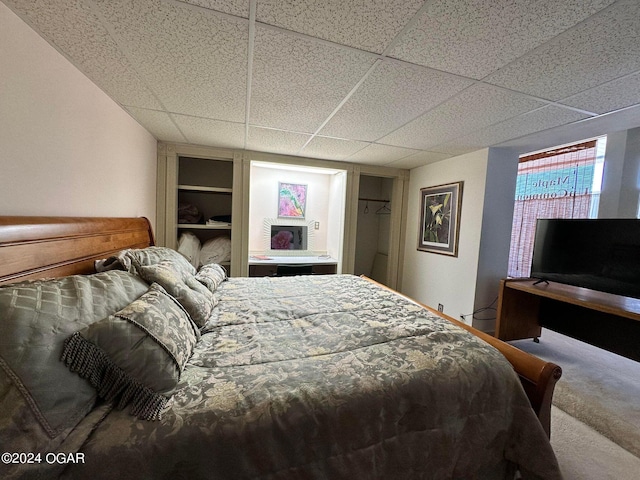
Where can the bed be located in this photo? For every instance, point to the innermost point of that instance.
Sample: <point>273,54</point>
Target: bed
<point>148,369</point>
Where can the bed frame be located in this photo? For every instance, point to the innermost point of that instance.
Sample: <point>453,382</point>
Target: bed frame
<point>46,247</point>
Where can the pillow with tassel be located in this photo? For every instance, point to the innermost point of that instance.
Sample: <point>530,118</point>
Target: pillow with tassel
<point>135,356</point>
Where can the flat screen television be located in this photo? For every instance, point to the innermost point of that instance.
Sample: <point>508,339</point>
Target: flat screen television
<point>600,254</point>
<point>288,237</point>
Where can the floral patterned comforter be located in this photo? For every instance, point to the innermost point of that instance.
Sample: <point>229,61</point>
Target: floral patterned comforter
<point>328,377</point>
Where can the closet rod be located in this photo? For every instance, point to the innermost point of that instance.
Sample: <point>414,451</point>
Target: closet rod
<point>373,200</point>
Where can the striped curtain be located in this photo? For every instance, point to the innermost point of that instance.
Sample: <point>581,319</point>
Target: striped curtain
<point>552,184</point>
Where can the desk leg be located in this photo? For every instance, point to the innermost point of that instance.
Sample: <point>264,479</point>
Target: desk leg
<point>518,314</point>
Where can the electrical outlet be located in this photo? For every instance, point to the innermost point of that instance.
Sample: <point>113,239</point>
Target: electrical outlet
<point>316,225</point>
<point>440,307</point>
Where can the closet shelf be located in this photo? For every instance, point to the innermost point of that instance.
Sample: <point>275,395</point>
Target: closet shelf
<point>200,226</point>
<point>200,188</point>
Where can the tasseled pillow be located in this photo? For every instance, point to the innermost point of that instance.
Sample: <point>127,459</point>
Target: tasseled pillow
<point>135,356</point>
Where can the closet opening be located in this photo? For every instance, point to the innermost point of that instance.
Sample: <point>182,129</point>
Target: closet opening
<point>373,227</point>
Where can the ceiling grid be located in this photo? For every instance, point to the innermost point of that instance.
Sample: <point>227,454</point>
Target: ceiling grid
<point>381,82</point>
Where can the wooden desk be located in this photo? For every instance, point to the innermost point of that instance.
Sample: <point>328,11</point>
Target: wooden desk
<point>321,265</point>
<point>608,321</point>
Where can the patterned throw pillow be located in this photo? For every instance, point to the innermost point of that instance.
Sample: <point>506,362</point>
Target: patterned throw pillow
<point>211,276</point>
<point>136,355</point>
<point>133,258</point>
<point>192,295</point>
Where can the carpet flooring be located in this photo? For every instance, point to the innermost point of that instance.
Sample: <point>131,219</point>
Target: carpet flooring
<point>584,454</point>
<point>599,388</point>
<point>595,418</point>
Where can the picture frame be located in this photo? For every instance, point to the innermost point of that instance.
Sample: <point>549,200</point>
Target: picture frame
<point>439,227</point>
<point>292,200</point>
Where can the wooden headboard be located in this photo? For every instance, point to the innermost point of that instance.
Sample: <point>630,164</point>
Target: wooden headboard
<point>45,247</point>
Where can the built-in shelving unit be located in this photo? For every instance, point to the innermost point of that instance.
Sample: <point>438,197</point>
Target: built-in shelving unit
<point>218,181</point>
<point>206,186</point>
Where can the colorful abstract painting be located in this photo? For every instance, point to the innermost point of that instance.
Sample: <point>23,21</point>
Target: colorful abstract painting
<point>292,200</point>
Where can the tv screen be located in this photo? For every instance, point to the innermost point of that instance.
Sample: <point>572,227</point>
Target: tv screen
<point>600,254</point>
<point>288,237</point>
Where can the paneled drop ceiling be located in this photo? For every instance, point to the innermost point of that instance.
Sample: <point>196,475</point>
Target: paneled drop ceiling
<point>384,82</point>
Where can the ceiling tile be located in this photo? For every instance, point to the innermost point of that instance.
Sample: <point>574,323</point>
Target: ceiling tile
<point>394,94</point>
<point>570,64</point>
<point>195,61</point>
<point>617,94</point>
<point>331,148</point>
<point>477,107</point>
<point>159,124</point>
<point>376,154</point>
<point>528,123</point>
<point>232,7</point>
<point>189,58</point>
<point>215,133</point>
<point>454,149</point>
<point>476,37</point>
<point>297,83</point>
<point>419,159</point>
<point>367,25</point>
<point>88,46</point>
<point>275,141</point>
<point>577,131</point>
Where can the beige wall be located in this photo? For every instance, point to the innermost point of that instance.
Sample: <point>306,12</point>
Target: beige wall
<point>66,148</point>
<point>432,278</point>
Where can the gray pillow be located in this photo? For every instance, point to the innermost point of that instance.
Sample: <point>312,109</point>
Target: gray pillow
<point>192,295</point>
<point>211,276</point>
<point>39,396</point>
<point>135,356</point>
<point>133,258</point>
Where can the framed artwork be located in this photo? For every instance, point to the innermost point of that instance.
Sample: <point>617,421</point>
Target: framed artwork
<point>292,200</point>
<point>440,218</point>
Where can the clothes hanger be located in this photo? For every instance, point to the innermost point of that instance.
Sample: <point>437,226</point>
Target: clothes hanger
<point>383,210</point>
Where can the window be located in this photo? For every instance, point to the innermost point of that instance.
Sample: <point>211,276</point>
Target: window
<point>560,183</point>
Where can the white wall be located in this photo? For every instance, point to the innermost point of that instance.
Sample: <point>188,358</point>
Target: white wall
<point>495,241</point>
<point>335,216</point>
<point>432,278</point>
<point>66,147</point>
<point>612,177</point>
<point>263,202</point>
<point>621,177</point>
